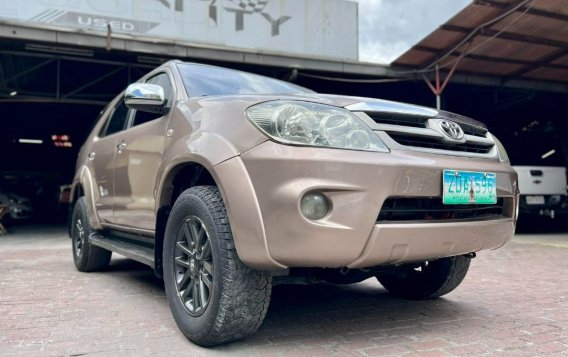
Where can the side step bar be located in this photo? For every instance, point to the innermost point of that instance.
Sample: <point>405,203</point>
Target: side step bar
<point>140,253</point>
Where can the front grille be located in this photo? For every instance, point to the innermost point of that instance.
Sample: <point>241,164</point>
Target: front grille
<point>473,130</point>
<point>431,209</point>
<point>415,131</point>
<point>420,122</point>
<point>434,143</point>
<point>397,119</point>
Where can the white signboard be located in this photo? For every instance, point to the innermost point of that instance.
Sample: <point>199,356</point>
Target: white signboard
<point>306,27</point>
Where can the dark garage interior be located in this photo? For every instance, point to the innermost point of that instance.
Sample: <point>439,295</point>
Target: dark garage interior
<point>48,104</point>
<point>51,94</point>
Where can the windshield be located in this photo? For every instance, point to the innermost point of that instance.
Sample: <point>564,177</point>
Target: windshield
<point>203,80</point>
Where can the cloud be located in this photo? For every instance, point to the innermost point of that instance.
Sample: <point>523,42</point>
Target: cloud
<point>388,28</point>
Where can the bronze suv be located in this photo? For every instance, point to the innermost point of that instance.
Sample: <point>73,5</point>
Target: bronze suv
<point>227,183</point>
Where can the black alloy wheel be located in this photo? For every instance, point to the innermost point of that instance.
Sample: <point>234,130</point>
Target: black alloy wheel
<point>193,266</point>
<point>79,238</point>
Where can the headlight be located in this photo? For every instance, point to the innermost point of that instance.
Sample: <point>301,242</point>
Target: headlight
<point>501,150</point>
<point>312,124</point>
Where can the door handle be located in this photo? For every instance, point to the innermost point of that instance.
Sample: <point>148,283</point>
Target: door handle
<point>120,147</point>
<point>92,156</point>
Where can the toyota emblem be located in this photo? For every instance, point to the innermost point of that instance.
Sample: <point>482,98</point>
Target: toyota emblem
<point>452,129</point>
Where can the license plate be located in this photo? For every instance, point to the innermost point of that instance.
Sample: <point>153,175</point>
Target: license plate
<point>535,200</point>
<point>468,187</point>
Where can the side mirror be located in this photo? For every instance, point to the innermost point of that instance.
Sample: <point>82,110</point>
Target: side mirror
<point>145,97</point>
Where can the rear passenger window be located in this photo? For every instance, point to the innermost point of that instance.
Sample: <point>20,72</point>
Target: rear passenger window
<point>117,121</point>
<point>163,81</point>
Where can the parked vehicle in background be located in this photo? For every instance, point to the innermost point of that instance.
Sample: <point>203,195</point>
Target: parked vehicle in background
<point>227,182</point>
<point>19,208</point>
<point>542,174</point>
<point>543,190</point>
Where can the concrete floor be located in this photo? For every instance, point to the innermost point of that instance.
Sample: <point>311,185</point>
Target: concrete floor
<point>514,302</point>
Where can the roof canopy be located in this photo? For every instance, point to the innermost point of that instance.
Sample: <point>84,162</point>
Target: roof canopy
<point>510,39</point>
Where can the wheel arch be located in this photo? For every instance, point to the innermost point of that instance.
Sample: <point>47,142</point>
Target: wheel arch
<point>233,182</point>
<point>183,175</point>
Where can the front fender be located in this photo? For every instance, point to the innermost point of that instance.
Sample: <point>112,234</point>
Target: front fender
<point>223,162</point>
<point>190,150</point>
<point>244,214</point>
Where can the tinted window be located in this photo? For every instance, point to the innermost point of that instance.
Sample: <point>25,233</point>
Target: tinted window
<point>201,80</point>
<point>163,81</point>
<point>117,121</point>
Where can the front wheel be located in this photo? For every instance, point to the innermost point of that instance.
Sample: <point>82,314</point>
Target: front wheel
<point>428,280</point>
<point>213,296</point>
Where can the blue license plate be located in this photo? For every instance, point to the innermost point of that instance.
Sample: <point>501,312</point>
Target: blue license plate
<point>469,187</point>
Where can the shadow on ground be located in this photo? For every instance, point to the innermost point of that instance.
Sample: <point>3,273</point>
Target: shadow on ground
<point>329,314</point>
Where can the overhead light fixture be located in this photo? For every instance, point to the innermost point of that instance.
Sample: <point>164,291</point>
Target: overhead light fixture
<point>30,141</point>
<point>13,93</point>
<point>547,154</point>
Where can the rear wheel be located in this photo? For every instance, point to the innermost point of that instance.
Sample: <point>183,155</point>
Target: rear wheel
<point>86,256</point>
<point>430,280</point>
<point>213,296</point>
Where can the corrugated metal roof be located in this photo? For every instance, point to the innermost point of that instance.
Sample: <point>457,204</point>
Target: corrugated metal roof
<point>528,40</point>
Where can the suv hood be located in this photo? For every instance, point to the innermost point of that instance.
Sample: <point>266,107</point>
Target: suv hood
<point>355,104</point>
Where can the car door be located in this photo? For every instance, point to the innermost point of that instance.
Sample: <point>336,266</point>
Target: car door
<point>101,157</point>
<point>137,162</point>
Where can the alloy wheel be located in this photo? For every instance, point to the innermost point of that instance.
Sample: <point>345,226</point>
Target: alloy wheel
<point>79,237</point>
<point>193,266</point>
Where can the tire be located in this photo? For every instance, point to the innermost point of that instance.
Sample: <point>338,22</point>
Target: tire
<point>86,256</point>
<point>213,296</point>
<point>430,281</point>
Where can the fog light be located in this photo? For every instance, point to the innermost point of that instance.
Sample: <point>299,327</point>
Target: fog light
<point>314,206</point>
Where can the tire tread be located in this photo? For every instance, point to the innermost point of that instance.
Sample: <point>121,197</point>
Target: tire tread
<point>246,291</point>
<point>93,258</point>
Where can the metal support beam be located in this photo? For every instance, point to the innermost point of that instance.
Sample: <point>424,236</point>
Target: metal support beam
<point>29,70</point>
<point>87,85</point>
<point>439,88</point>
<point>58,80</point>
<point>490,58</point>
<point>53,57</point>
<point>532,11</point>
<point>542,63</point>
<point>51,100</point>
<point>508,36</point>
<point>2,76</point>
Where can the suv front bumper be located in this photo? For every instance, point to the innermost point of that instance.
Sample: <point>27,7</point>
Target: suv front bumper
<point>263,188</point>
